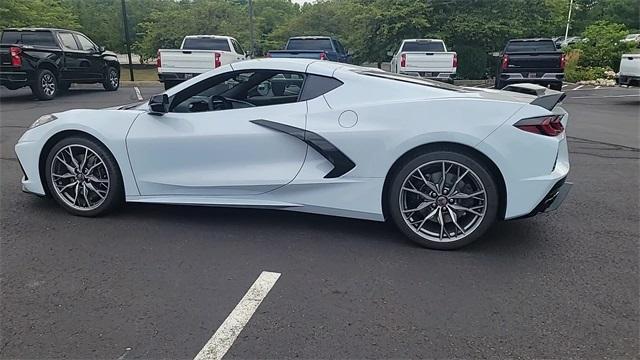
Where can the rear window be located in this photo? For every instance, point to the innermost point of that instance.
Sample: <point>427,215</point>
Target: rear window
<point>423,46</point>
<point>34,38</point>
<point>410,79</point>
<point>206,44</point>
<point>310,44</point>
<point>531,46</point>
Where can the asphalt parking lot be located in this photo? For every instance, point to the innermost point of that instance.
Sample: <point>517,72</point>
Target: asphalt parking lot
<point>157,281</point>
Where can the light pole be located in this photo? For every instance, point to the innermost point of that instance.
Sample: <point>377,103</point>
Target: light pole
<point>253,40</point>
<point>126,37</point>
<point>566,32</point>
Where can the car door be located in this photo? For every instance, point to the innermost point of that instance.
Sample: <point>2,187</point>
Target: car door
<point>92,54</point>
<point>202,148</point>
<point>78,63</point>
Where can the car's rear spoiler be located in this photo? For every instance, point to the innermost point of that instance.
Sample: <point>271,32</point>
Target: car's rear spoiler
<point>545,97</point>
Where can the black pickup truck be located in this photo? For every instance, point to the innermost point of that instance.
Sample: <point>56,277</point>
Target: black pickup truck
<point>532,61</point>
<point>50,60</point>
<point>313,47</point>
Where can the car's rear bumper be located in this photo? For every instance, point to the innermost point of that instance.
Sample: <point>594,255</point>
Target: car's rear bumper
<point>176,77</point>
<point>629,80</point>
<point>439,76</point>
<point>554,198</point>
<point>14,79</point>
<point>534,78</point>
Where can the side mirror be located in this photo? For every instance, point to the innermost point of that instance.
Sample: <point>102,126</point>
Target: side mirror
<point>159,104</point>
<point>101,49</point>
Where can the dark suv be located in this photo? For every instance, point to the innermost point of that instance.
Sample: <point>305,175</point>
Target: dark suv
<point>50,60</point>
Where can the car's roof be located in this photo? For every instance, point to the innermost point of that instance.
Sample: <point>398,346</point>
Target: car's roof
<point>309,37</point>
<point>208,36</point>
<point>531,39</point>
<point>37,29</point>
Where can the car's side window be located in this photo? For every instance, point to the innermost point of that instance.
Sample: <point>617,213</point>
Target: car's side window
<point>68,41</point>
<point>317,85</point>
<point>238,90</point>
<point>85,43</point>
<point>237,47</point>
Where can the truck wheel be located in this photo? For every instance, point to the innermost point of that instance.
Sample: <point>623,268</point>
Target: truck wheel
<point>64,86</point>
<point>46,85</point>
<point>169,84</point>
<point>556,86</point>
<point>112,79</point>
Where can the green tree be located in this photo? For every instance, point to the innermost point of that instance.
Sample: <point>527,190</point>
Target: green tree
<point>601,45</point>
<point>37,13</point>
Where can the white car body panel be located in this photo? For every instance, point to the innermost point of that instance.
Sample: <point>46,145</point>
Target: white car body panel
<point>220,158</point>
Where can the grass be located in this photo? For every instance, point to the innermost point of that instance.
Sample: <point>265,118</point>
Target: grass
<point>139,74</point>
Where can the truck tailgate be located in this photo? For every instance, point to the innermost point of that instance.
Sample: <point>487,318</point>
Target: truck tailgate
<point>300,54</point>
<point>429,62</point>
<point>540,61</point>
<point>630,65</point>
<point>191,61</point>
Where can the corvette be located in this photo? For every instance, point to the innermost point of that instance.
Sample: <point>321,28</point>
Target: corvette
<point>442,162</point>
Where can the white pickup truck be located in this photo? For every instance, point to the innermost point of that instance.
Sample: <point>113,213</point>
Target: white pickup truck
<point>629,70</point>
<point>197,54</point>
<point>427,58</point>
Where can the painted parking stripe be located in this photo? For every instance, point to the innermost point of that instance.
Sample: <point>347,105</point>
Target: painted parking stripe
<point>603,97</point>
<point>228,332</point>
<point>597,87</point>
<point>578,87</point>
<point>138,94</point>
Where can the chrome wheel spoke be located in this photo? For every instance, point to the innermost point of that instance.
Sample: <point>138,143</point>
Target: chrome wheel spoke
<point>441,221</point>
<point>468,209</point>
<point>429,184</point>
<point>462,195</point>
<point>65,187</point>
<point>419,207</point>
<point>454,219</point>
<point>417,192</point>
<point>64,176</point>
<point>92,188</point>
<point>84,193</point>
<point>69,167</point>
<point>95,179</point>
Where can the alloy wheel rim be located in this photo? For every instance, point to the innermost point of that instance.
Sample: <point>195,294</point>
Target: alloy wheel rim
<point>80,177</point>
<point>443,201</point>
<point>48,84</point>
<point>113,78</point>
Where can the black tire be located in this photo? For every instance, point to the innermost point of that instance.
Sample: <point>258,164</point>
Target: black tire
<point>46,85</point>
<point>114,196</point>
<point>556,86</point>
<point>476,229</point>
<point>64,86</point>
<point>500,84</point>
<point>169,84</point>
<point>111,79</point>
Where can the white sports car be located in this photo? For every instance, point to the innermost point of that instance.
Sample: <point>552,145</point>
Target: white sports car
<point>442,162</point>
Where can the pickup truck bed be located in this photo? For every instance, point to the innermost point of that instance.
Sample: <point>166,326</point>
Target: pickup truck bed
<point>427,58</point>
<point>630,70</point>
<point>313,47</point>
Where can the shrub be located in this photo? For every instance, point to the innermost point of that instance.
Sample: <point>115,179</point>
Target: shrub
<point>601,45</point>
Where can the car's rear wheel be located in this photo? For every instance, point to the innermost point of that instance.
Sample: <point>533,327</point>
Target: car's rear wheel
<point>83,177</point>
<point>443,200</point>
<point>45,86</point>
<point>112,79</point>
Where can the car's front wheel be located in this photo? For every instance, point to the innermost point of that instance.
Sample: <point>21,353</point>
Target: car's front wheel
<point>112,79</point>
<point>444,199</point>
<point>83,177</point>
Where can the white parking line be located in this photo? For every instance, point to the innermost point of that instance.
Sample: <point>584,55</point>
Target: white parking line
<point>578,87</point>
<point>228,332</point>
<point>602,97</point>
<point>138,94</point>
<point>597,87</point>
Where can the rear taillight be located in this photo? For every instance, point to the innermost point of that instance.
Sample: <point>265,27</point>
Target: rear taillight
<point>563,61</point>
<point>216,60</point>
<point>455,60</point>
<point>505,62</point>
<point>323,56</point>
<point>544,125</point>
<point>16,59</point>
<point>158,61</point>
<point>403,60</point>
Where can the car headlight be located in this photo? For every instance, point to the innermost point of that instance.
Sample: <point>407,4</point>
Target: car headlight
<point>42,120</point>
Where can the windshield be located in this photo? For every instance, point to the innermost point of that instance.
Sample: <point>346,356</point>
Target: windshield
<point>205,43</point>
<point>423,46</point>
<point>310,44</point>
<point>530,46</point>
